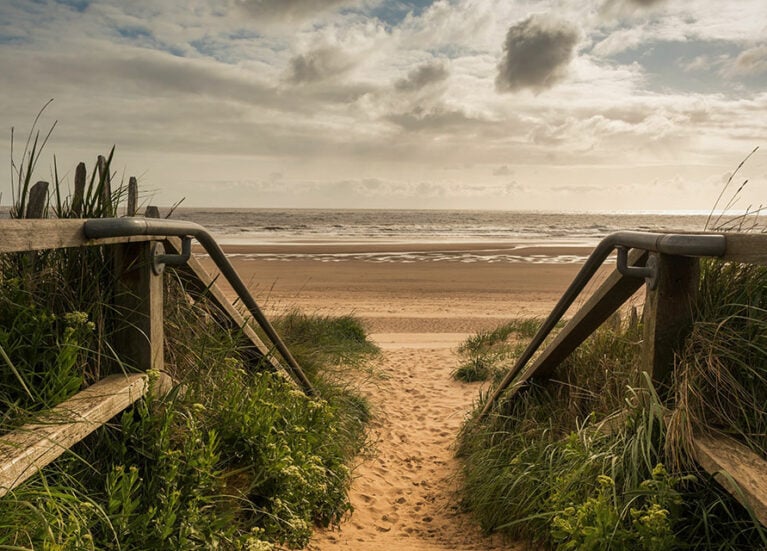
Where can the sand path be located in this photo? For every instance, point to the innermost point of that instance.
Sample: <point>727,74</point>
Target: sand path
<point>404,490</point>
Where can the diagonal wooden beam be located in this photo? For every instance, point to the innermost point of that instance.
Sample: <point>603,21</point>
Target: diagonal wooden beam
<point>605,301</point>
<point>28,449</point>
<point>197,278</point>
<point>610,296</point>
<point>738,469</point>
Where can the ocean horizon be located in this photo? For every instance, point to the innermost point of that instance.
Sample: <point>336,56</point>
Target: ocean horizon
<point>244,226</point>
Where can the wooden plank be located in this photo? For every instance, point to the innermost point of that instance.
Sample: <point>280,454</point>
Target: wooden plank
<point>750,248</point>
<point>28,449</point>
<point>197,277</point>
<point>138,339</point>
<point>34,235</point>
<point>739,470</point>
<point>668,316</point>
<point>605,301</point>
<point>610,296</point>
<point>37,235</point>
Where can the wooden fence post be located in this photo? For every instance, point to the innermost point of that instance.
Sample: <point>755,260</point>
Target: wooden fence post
<point>139,306</point>
<point>668,316</point>
<point>132,197</point>
<point>38,197</point>
<point>79,195</point>
<point>106,180</point>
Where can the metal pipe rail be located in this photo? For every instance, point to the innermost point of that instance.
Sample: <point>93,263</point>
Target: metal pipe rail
<point>126,227</point>
<point>670,244</point>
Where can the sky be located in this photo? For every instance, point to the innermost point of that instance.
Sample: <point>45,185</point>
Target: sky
<point>556,105</point>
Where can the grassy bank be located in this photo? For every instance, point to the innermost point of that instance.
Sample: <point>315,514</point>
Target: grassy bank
<point>234,457</point>
<point>595,460</point>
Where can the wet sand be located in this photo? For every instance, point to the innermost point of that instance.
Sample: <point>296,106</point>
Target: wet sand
<point>444,295</point>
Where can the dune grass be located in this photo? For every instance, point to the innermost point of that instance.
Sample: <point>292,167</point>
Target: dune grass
<point>234,457</point>
<point>588,461</point>
<point>486,355</point>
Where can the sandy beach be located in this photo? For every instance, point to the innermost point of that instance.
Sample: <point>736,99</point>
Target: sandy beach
<point>440,291</point>
<point>418,311</point>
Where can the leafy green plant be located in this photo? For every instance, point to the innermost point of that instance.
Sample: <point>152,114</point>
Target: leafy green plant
<point>43,353</point>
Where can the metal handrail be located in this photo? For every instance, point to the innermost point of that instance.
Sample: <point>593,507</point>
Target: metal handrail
<point>127,227</point>
<point>671,244</point>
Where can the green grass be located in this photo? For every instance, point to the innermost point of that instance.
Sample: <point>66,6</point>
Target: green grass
<point>721,375</point>
<point>234,457</point>
<point>488,354</point>
<point>585,461</point>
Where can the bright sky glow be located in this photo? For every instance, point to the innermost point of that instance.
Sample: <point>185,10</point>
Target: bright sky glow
<point>508,104</point>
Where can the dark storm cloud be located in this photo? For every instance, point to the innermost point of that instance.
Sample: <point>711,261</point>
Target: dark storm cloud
<point>536,53</point>
<point>424,75</point>
<point>318,65</point>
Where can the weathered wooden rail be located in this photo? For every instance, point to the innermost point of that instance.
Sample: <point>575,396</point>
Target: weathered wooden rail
<point>667,318</point>
<point>138,341</point>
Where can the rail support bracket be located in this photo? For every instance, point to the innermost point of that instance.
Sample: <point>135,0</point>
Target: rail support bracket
<point>160,259</point>
<point>649,271</point>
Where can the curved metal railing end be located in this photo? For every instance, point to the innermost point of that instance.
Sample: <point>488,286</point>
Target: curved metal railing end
<point>663,243</point>
<point>99,228</point>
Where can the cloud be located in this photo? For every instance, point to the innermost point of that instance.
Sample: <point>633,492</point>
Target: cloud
<point>438,118</point>
<point>536,54</point>
<point>290,10</point>
<point>639,3</point>
<point>422,76</point>
<point>621,40</point>
<point>750,62</point>
<point>617,8</point>
<point>319,64</point>
<point>699,63</point>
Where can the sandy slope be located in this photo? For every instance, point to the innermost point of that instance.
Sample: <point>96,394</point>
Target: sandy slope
<point>404,490</point>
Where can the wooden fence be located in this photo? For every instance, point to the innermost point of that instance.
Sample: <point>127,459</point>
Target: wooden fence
<point>138,340</point>
<point>667,312</point>
<point>667,318</point>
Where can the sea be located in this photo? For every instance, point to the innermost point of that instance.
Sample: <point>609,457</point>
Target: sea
<point>324,226</point>
<point>241,226</point>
